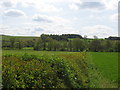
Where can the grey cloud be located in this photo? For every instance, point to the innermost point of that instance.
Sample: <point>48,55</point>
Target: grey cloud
<point>14,13</point>
<point>90,5</point>
<point>41,19</point>
<point>7,4</point>
<point>39,29</point>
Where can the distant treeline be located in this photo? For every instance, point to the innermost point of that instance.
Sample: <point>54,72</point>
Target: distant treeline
<point>64,42</point>
<point>63,37</point>
<point>113,38</point>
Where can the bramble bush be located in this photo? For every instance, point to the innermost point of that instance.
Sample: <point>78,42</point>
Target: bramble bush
<point>28,57</point>
<point>31,71</point>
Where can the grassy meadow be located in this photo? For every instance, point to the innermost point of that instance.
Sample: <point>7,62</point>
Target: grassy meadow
<point>107,63</point>
<point>106,68</point>
<point>59,69</point>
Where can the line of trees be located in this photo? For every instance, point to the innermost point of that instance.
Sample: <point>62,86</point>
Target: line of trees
<point>13,44</point>
<point>75,43</point>
<point>78,44</point>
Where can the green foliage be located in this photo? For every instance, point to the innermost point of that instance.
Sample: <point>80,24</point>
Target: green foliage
<point>95,45</point>
<point>30,70</point>
<point>19,45</point>
<point>70,45</point>
<point>50,45</point>
<point>36,46</point>
<point>59,43</point>
<point>28,57</point>
<point>116,46</point>
<point>12,41</point>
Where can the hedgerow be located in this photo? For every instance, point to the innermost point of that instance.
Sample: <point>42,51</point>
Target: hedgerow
<point>31,71</point>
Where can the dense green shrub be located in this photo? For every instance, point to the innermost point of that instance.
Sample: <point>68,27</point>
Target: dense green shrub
<point>43,72</point>
<point>27,57</point>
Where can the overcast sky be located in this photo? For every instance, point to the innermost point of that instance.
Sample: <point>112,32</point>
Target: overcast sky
<point>34,17</point>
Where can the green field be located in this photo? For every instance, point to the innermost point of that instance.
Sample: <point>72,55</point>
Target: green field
<point>78,69</point>
<point>7,38</point>
<point>107,63</point>
<point>106,68</point>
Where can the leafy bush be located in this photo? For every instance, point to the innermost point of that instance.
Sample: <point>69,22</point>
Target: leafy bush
<point>28,57</point>
<point>41,72</point>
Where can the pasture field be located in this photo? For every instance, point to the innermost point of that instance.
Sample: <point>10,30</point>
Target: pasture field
<point>106,68</point>
<point>7,38</point>
<point>107,63</point>
<point>59,69</point>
